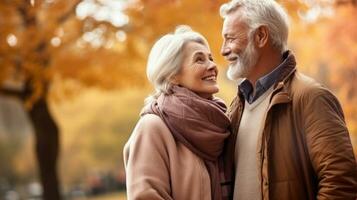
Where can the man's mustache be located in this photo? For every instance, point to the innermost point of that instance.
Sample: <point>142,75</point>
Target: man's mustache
<point>233,57</point>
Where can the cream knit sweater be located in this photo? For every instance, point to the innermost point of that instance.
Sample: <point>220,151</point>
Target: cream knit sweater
<point>247,182</point>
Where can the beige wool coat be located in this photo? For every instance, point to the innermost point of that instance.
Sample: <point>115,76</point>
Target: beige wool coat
<point>158,167</point>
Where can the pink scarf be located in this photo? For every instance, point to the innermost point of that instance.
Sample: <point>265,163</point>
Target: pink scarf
<point>203,127</point>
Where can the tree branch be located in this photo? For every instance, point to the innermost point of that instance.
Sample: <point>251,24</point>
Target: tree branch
<point>346,2</point>
<point>12,93</point>
<point>68,14</point>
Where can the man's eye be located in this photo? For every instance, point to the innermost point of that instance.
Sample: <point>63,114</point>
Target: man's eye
<point>230,39</point>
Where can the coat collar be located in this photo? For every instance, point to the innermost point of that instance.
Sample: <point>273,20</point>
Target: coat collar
<point>281,94</point>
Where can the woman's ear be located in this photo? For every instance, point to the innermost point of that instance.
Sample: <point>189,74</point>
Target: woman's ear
<point>261,36</point>
<point>175,80</point>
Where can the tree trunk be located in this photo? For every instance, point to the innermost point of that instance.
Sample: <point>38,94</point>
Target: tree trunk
<point>46,148</point>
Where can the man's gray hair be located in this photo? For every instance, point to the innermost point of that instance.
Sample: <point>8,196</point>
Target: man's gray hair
<point>256,13</point>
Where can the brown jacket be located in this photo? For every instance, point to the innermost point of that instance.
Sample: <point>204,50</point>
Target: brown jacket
<point>159,167</point>
<point>305,152</point>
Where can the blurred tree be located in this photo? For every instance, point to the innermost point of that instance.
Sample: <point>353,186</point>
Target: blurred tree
<point>340,44</point>
<point>46,41</point>
<point>150,19</point>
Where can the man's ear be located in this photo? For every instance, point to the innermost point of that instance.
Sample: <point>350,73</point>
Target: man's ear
<point>261,36</point>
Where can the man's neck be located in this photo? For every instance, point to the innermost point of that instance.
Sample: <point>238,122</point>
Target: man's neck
<point>267,62</point>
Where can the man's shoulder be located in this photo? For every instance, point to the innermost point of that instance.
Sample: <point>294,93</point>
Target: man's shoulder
<point>303,85</point>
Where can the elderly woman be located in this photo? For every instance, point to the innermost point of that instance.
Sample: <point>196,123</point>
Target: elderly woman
<point>175,149</point>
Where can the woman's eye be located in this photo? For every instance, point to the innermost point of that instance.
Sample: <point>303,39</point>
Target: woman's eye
<point>200,59</point>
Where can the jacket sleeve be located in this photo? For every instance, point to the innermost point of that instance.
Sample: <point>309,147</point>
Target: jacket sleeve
<point>330,147</point>
<point>146,161</point>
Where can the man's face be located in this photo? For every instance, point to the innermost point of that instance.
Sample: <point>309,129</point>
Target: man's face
<point>238,48</point>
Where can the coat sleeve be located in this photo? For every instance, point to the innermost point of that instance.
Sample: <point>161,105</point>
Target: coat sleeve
<point>146,161</point>
<point>330,147</point>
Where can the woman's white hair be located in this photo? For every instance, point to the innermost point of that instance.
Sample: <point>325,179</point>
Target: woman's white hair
<point>165,59</point>
<point>262,12</point>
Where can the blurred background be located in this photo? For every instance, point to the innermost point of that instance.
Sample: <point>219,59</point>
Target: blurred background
<point>72,82</point>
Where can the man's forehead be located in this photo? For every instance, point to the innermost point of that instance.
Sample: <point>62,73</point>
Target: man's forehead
<point>233,22</point>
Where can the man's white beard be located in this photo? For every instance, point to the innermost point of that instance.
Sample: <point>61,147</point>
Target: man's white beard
<point>244,64</point>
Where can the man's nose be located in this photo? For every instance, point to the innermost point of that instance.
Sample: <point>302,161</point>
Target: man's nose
<point>225,51</point>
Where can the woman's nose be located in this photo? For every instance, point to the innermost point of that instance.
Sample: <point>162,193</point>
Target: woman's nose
<point>212,66</point>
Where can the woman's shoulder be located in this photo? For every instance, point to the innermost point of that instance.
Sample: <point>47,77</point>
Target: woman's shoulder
<point>150,134</point>
<point>151,126</point>
<point>151,121</point>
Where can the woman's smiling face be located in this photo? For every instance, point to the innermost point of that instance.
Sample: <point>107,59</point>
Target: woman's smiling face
<point>198,71</point>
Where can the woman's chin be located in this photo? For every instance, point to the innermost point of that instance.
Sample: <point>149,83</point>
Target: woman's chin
<point>215,89</point>
<point>208,94</point>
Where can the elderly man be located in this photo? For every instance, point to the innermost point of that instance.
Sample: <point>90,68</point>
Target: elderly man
<point>290,137</point>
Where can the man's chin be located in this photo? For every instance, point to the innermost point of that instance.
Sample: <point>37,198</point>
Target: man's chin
<point>234,74</point>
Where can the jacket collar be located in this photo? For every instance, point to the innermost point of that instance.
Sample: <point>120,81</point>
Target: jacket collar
<point>281,94</point>
<point>289,68</point>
